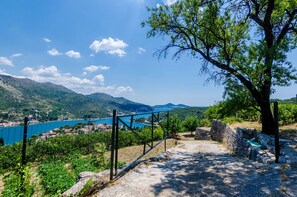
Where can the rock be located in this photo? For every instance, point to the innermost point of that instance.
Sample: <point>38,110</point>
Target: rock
<point>202,134</point>
<point>266,141</point>
<point>83,178</point>
<point>217,130</point>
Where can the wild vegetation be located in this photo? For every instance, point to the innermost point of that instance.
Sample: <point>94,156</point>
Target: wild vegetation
<point>60,159</point>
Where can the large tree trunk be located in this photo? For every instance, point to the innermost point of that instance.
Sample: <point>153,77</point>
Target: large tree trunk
<point>267,119</point>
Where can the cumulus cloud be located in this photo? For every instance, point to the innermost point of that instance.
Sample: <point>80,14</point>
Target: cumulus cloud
<point>141,50</point>
<point>94,68</point>
<point>47,40</point>
<point>73,54</point>
<point>5,61</point>
<point>54,52</point>
<point>110,46</point>
<point>92,55</point>
<point>99,79</point>
<point>78,84</point>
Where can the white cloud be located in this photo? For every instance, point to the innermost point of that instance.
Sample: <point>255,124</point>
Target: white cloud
<point>5,61</point>
<point>99,79</point>
<point>94,68</point>
<point>169,2</point>
<point>47,40</point>
<point>116,90</point>
<point>54,52</point>
<point>73,54</point>
<point>16,55</point>
<point>109,45</point>
<point>80,85</point>
<point>92,55</point>
<point>2,72</point>
<point>123,89</point>
<point>141,50</point>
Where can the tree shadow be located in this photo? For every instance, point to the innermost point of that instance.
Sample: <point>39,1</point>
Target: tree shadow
<point>201,174</point>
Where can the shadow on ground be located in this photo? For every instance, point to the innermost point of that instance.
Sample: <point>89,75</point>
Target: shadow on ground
<point>216,175</point>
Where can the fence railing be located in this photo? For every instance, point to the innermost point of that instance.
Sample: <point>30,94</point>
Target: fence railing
<point>147,141</point>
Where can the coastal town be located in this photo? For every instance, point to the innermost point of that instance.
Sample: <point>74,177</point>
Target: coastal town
<point>67,130</point>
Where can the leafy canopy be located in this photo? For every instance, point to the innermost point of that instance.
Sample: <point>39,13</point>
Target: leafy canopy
<point>241,43</point>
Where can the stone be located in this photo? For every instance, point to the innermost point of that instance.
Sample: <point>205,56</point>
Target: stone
<point>83,178</point>
<point>202,134</point>
<point>266,141</point>
<point>217,130</point>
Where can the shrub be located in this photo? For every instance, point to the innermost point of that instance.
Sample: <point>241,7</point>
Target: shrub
<point>190,124</point>
<point>17,183</point>
<point>55,178</point>
<point>230,120</point>
<point>204,123</point>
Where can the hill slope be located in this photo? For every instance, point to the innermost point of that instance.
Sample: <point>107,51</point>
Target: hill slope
<point>48,101</point>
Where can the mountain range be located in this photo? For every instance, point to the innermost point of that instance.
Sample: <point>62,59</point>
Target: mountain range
<point>20,97</point>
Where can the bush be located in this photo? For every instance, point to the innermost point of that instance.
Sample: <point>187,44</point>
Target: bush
<point>17,183</point>
<point>204,123</point>
<point>55,178</point>
<point>230,120</point>
<point>190,124</point>
<point>287,113</point>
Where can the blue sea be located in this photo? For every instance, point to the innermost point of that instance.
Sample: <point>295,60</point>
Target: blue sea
<point>11,135</point>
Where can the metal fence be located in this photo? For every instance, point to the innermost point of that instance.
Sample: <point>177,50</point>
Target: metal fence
<point>149,141</point>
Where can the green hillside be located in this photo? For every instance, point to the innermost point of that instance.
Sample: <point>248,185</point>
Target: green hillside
<point>47,101</point>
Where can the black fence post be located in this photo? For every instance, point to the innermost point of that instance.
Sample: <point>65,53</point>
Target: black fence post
<point>167,123</point>
<point>152,142</point>
<point>112,144</point>
<point>24,141</point>
<point>116,145</point>
<point>276,131</point>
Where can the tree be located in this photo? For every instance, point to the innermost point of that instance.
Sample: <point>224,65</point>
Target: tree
<point>190,123</point>
<point>243,43</point>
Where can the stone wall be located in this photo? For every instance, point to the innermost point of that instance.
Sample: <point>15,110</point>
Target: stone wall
<point>247,143</point>
<point>234,140</point>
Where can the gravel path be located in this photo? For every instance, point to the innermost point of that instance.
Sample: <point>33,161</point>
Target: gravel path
<point>203,168</point>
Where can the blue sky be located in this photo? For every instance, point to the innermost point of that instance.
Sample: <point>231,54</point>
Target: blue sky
<point>99,46</point>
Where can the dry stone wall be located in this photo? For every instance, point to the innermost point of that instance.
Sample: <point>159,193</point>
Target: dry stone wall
<point>247,143</point>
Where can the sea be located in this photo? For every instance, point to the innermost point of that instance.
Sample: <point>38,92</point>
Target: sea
<point>12,135</point>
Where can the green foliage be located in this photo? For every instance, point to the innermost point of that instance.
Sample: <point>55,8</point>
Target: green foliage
<point>287,113</point>
<point>204,122</point>
<point>10,156</point>
<point>175,125</point>
<point>244,44</point>
<point>55,178</point>
<point>190,123</point>
<point>231,108</point>
<point>17,182</point>
<point>230,120</point>
<point>183,113</point>
<point>86,187</point>
<point>83,164</point>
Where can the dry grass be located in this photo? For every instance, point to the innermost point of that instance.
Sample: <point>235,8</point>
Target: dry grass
<point>129,154</point>
<point>286,131</point>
